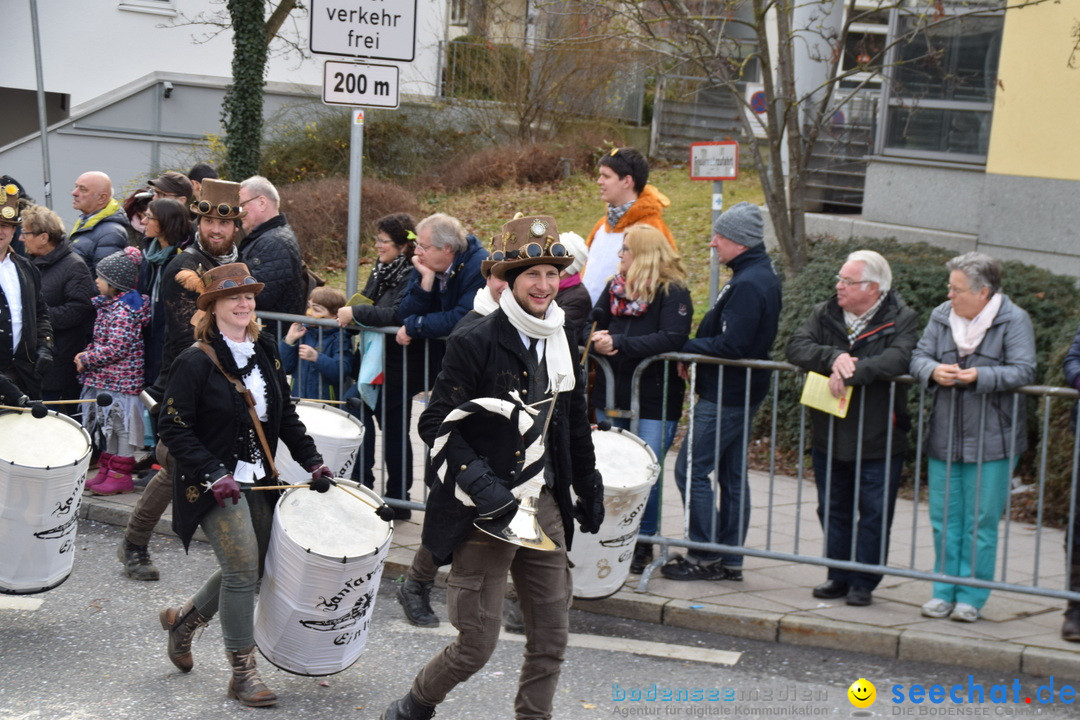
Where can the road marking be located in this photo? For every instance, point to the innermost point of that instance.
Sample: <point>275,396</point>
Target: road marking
<point>13,602</point>
<point>624,645</point>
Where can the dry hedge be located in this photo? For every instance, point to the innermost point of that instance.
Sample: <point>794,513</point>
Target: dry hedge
<point>318,211</point>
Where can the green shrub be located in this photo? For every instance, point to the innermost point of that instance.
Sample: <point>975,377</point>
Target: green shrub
<point>919,276</point>
<point>480,70</point>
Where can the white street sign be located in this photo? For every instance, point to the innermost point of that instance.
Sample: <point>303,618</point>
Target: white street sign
<point>376,29</point>
<point>714,160</point>
<point>346,83</point>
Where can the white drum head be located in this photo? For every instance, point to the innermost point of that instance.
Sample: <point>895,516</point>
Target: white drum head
<point>40,442</point>
<point>624,460</point>
<point>325,421</point>
<point>333,524</point>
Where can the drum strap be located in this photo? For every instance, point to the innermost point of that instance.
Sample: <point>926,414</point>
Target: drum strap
<point>248,400</point>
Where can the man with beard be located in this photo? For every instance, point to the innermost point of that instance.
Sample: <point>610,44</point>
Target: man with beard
<point>219,213</point>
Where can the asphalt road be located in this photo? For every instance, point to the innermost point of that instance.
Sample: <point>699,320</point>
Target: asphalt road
<point>94,649</point>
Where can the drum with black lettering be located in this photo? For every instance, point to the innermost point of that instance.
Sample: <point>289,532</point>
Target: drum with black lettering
<point>43,464</point>
<point>337,435</point>
<point>322,573</point>
<point>629,468</point>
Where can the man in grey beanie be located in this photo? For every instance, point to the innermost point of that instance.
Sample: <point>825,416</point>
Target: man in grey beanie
<point>741,325</point>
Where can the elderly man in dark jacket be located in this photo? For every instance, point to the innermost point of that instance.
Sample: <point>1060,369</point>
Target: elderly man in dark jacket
<point>861,337</point>
<point>271,250</point>
<point>102,227</point>
<point>741,325</point>
<point>518,353</point>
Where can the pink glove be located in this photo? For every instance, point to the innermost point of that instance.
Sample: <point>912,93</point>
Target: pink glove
<point>226,487</point>
<point>321,478</point>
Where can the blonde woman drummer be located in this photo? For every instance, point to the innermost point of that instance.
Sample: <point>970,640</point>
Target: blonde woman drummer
<point>208,427</point>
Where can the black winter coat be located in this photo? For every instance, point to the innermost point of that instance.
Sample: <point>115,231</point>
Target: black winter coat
<point>68,289</point>
<point>740,326</point>
<point>179,305</point>
<point>577,305</point>
<point>489,360</point>
<point>36,328</point>
<point>203,416</point>
<point>272,254</point>
<point>883,351</point>
<point>663,328</point>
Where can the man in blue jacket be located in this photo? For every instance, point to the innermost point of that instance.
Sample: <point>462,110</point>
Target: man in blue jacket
<point>102,227</point>
<point>441,289</point>
<point>740,326</point>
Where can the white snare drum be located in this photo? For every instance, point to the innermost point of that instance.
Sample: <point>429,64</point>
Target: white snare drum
<point>337,435</point>
<point>629,468</point>
<point>43,465</point>
<point>323,568</point>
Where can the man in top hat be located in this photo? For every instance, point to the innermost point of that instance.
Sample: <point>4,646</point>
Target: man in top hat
<point>219,213</point>
<point>26,342</point>
<point>102,227</point>
<point>519,352</point>
<point>623,177</point>
<point>271,250</point>
<point>741,325</point>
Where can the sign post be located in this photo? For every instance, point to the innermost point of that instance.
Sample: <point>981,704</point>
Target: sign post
<point>369,29</point>
<point>716,161</point>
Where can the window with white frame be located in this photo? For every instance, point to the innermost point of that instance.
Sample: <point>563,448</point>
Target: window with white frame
<point>943,74</point>
<point>459,12</point>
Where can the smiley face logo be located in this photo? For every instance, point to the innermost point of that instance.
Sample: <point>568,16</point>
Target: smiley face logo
<point>862,693</point>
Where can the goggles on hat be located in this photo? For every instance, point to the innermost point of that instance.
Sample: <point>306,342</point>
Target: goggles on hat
<point>11,189</point>
<point>533,250</point>
<point>222,208</point>
<point>226,284</point>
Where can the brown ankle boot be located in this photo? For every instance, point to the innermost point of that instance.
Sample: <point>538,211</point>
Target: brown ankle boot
<point>181,624</point>
<point>246,685</point>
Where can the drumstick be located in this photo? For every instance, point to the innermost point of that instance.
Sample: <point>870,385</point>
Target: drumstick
<point>37,409</point>
<point>588,343</point>
<point>103,399</point>
<point>380,510</point>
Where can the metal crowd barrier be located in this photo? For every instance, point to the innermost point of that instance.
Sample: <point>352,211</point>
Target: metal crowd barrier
<point>1030,579</point>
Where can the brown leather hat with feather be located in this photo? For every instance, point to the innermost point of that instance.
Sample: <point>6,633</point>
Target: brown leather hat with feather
<point>221,281</point>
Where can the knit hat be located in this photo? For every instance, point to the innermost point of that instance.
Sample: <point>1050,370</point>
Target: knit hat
<point>121,269</point>
<point>742,224</point>
<point>576,246</point>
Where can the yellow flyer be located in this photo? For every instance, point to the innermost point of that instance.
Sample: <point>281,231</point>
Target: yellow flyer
<point>816,395</point>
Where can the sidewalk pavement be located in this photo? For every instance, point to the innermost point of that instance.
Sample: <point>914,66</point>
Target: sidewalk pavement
<point>1018,632</point>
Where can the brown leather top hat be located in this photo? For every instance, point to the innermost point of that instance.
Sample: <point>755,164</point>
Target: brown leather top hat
<point>226,280</point>
<point>9,209</point>
<point>219,199</point>
<point>528,240</point>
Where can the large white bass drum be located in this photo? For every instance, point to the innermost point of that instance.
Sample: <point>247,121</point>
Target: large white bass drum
<point>322,573</point>
<point>629,468</point>
<point>43,464</point>
<point>337,435</point>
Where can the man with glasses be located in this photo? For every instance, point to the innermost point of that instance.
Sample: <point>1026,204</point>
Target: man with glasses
<point>271,250</point>
<point>740,326</point>
<point>446,277</point>
<point>622,176</point>
<point>219,212</point>
<point>102,227</point>
<point>861,337</point>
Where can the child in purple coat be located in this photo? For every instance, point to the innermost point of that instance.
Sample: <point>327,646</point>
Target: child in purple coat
<point>113,363</point>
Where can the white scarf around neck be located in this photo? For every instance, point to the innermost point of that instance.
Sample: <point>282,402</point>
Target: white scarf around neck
<point>560,363</point>
<point>483,303</point>
<point>969,334</point>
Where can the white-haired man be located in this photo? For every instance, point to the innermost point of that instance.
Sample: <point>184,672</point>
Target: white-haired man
<point>271,250</point>
<point>862,337</point>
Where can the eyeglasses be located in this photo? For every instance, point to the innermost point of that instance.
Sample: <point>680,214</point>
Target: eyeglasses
<point>226,284</point>
<point>158,193</point>
<point>222,208</point>
<point>532,250</point>
<point>245,202</point>
<point>148,216</point>
<point>847,282</point>
<point>380,241</point>
<point>423,247</point>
